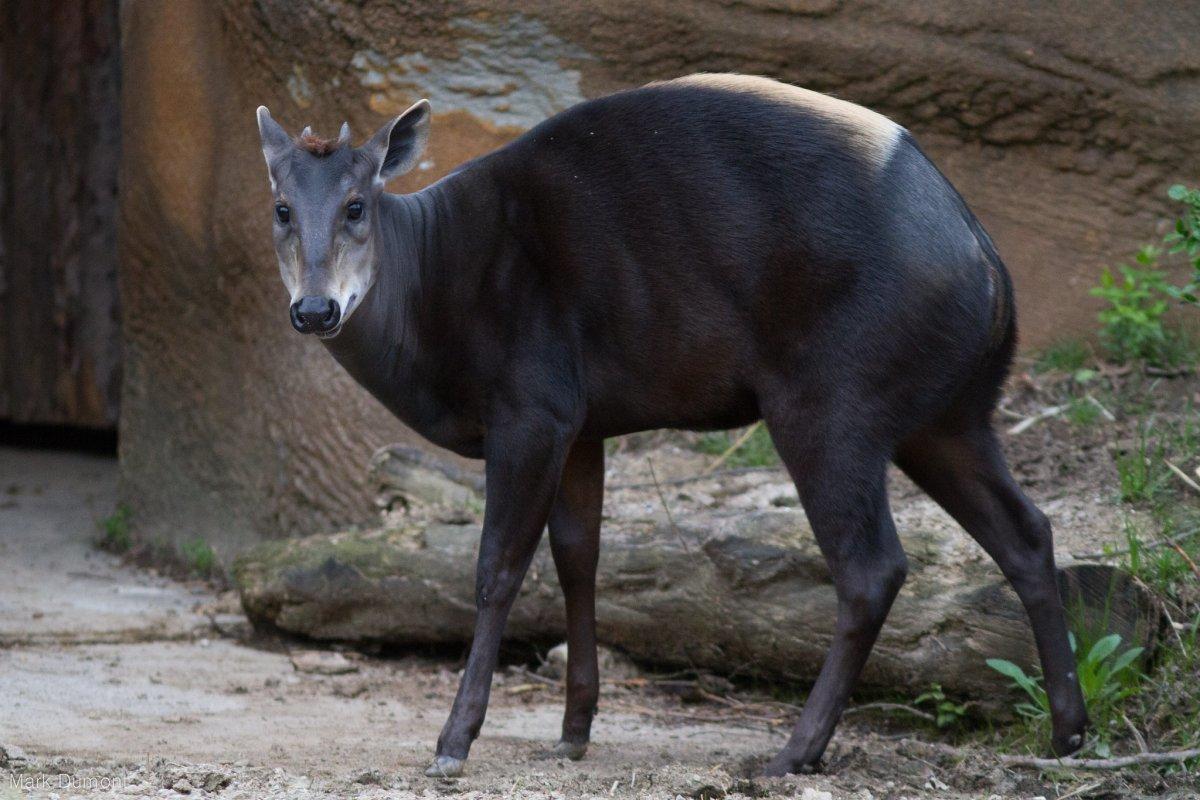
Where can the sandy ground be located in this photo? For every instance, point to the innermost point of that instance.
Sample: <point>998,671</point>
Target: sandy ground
<point>118,683</point>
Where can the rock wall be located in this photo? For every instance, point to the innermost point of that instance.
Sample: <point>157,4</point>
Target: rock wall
<point>1062,126</point>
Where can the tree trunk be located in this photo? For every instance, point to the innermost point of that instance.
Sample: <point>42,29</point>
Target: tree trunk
<point>59,144</point>
<point>722,594</point>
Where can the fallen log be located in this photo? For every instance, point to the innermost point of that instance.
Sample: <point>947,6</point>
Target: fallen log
<point>738,594</point>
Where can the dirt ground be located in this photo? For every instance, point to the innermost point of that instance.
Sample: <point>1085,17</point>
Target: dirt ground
<point>115,682</point>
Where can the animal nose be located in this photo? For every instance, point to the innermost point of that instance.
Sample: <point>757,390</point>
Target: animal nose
<point>315,314</point>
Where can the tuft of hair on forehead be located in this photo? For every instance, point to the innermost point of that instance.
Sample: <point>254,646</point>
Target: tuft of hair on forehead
<point>319,147</point>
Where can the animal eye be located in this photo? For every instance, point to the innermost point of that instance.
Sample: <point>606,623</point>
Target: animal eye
<point>354,210</point>
<point>282,213</point>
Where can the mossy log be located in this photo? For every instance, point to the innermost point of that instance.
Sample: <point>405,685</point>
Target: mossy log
<point>745,594</point>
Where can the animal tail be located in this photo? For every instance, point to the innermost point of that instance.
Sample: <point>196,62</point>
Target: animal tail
<point>1002,332</point>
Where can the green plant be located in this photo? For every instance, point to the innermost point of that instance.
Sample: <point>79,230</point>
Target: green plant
<point>1105,677</point>
<point>757,451</point>
<point>1083,411</point>
<point>1038,705</point>
<point>1185,239</point>
<point>1135,555</point>
<point>1141,471</point>
<point>115,535</point>
<point>947,713</point>
<point>1068,355</point>
<point>1132,324</point>
<point>199,557</point>
<point>1164,569</point>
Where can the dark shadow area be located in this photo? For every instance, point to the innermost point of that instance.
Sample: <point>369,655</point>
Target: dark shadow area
<point>59,437</point>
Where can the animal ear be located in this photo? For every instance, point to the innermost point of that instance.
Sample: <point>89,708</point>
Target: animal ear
<point>399,143</point>
<point>275,140</point>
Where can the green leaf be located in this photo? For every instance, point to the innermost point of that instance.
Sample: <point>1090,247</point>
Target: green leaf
<point>1125,659</point>
<point>1178,192</point>
<point>1030,710</point>
<point>1007,668</point>
<point>1103,648</point>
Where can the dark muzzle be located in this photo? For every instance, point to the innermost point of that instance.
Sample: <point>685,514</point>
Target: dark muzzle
<point>315,314</point>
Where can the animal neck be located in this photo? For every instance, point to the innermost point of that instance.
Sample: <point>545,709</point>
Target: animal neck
<point>431,248</point>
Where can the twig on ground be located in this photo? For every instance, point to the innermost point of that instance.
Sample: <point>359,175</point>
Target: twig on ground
<point>1111,371</point>
<point>1187,559</point>
<point>1119,762</point>
<point>1078,790</point>
<point>1179,537</point>
<point>1008,412</point>
<point>1183,476</point>
<point>1168,372</point>
<point>1137,735</point>
<point>733,448</point>
<point>694,478</point>
<point>1174,627</point>
<point>1108,415</point>
<point>916,712</point>
<point>1173,543</point>
<point>525,688</point>
<point>533,676</point>
<point>1031,762</point>
<point>1029,422</point>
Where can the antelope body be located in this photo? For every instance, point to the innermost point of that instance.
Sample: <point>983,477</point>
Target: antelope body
<point>695,254</point>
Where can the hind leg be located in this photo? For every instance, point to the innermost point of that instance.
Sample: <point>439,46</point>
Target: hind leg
<point>575,543</point>
<point>841,482</point>
<point>964,471</point>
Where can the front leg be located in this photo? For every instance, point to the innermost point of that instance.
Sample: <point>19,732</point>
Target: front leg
<point>525,455</point>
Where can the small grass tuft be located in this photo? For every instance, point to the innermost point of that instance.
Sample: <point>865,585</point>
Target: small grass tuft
<point>1068,355</point>
<point>946,712</point>
<point>1142,474</point>
<point>115,535</point>
<point>1083,411</point>
<point>198,556</point>
<point>757,451</point>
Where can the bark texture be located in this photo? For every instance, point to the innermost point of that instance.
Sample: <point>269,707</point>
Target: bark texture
<point>747,596</point>
<point>59,143</point>
<point>1062,125</point>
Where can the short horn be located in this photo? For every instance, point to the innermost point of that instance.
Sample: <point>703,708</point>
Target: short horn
<point>344,135</point>
<point>304,134</point>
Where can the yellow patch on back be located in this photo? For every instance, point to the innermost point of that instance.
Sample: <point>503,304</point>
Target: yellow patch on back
<point>872,135</point>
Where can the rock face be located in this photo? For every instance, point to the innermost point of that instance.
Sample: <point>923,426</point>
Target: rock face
<point>744,595</point>
<point>1061,124</point>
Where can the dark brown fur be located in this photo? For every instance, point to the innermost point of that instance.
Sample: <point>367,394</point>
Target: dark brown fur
<point>317,146</point>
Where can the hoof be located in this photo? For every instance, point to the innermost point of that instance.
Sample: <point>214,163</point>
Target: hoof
<point>571,750</point>
<point>778,767</point>
<point>1066,745</point>
<point>445,767</point>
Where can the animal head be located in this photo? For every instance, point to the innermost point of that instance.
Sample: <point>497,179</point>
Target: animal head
<point>325,211</point>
